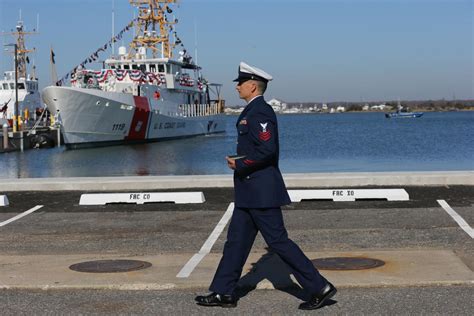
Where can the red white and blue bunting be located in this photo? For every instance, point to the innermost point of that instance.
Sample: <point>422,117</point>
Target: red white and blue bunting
<point>120,75</point>
<point>94,56</point>
<point>138,76</point>
<point>185,81</point>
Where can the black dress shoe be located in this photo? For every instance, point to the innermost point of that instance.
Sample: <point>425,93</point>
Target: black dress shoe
<point>215,299</point>
<point>319,299</point>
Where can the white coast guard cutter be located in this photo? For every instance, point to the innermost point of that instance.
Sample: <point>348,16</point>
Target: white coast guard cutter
<point>138,97</point>
<point>28,93</point>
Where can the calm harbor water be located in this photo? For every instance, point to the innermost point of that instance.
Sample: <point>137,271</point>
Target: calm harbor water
<point>349,142</point>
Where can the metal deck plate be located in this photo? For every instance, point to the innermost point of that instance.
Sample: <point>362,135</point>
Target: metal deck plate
<point>110,266</point>
<point>347,263</point>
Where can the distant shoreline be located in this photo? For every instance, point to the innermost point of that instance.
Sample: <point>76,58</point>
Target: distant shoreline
<point>417,110</point>
<point>235,112</point>
<point>373,106</point>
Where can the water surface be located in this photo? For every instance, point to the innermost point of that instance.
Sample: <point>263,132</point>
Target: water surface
<point>348,142</point>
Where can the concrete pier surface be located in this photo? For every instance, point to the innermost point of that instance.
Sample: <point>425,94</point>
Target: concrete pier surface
<point>428,255</point>
<point>431,178</point>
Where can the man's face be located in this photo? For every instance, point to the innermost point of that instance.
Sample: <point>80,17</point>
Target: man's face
<point>245,89</point>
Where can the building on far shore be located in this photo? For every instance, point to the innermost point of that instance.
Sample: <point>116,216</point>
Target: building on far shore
<point>379,107</point>
<point>277,105</point>
<point>340,109</point>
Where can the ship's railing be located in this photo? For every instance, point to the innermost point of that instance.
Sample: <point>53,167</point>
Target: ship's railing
<point>87,78</point>
<point>190,110</point>
<point>220,103</point>
<point>106,79</point>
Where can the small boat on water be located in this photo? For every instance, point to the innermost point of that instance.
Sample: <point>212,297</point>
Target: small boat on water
<point>403,112</point>
<point>29,100</point>
<point>141,95</point>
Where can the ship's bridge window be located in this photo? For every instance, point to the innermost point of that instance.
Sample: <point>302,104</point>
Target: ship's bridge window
<point>12,86</point>
<point>161,68</point>
<point>21,85</point>
<point>134,67</point>
<point>5,86</point>
<point>169,69</point>
<point>126,67</point>
<point>112,66</point>
<point>1,87</point>
<point>152,68</point>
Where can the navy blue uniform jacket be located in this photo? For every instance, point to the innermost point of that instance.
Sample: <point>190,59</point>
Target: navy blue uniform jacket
<point>257,179</point>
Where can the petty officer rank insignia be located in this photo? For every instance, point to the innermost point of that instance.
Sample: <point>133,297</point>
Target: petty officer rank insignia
<point>264,134</point>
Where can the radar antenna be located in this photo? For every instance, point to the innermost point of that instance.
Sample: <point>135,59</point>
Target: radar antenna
<point>153,28</point>
<point>22,52</point>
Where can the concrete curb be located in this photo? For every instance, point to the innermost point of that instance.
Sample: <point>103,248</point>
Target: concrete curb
<point>262,271</point>
<point>295,180</point>
<point>264,285</point>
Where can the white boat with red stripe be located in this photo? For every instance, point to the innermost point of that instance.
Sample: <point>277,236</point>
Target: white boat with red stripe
<point>137,97</point>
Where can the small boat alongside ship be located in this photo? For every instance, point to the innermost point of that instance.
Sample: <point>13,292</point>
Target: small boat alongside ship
<point>141,95</point>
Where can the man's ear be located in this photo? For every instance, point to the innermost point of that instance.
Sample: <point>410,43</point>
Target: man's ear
<point>255,87</point>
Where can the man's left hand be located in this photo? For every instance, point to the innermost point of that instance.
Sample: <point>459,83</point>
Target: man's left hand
<point>230,163</point>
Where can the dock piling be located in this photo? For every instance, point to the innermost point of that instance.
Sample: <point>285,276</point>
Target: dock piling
<point>22,145</point>
<point>58,135</point>
<point>5,136</point>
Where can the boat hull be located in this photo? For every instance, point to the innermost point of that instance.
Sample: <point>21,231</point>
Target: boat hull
<point>404,115</point>
<point>92,118</point>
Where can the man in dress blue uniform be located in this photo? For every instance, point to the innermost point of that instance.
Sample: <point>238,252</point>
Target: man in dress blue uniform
<point>259,194</point>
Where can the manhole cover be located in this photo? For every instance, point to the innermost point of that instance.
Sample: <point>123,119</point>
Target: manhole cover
<point>347,263</point>
<point>110,266</point>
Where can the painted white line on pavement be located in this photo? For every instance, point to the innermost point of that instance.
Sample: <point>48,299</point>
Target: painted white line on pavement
<point>206,248</point>
<point>37,207</point>
<point>461,222</point>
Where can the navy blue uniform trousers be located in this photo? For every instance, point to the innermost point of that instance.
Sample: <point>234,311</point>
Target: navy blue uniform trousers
<point>243,228</point>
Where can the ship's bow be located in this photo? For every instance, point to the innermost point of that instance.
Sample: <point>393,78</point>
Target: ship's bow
<point>50,97</point>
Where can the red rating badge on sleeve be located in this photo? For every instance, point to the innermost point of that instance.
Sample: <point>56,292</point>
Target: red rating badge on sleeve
<point>264,134</point>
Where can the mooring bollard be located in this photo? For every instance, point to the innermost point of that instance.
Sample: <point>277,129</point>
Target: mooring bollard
<point>5,136</point>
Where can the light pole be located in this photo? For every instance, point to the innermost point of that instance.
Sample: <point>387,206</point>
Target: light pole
<point>15,114</point>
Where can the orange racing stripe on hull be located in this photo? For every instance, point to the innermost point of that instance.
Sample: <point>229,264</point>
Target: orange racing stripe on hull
<point>140,119</point>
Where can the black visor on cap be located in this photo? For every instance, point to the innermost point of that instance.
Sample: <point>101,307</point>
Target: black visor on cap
<point>244,76</point>
<point>240,81</point>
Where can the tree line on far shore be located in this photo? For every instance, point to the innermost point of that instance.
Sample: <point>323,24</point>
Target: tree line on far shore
<point>425,105</point>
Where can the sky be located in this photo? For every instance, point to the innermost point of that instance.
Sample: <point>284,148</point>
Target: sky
<point>317,51</point>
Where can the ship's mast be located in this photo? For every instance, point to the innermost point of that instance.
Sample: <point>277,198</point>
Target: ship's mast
<point>153,28</point>
<point>21,49</point>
